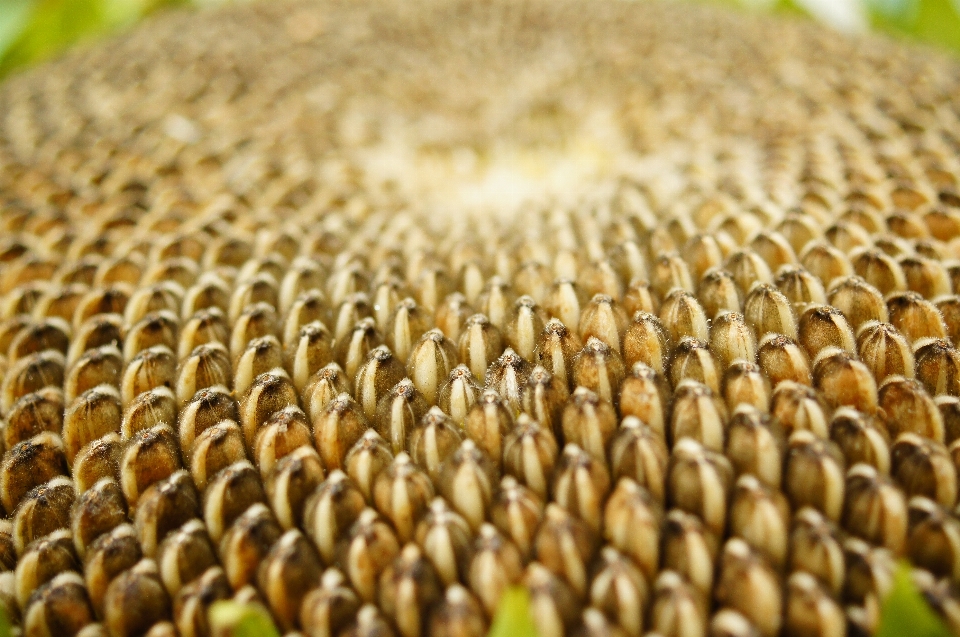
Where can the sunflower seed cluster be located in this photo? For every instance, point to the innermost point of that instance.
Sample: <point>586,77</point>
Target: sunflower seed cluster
<point>365,312</point>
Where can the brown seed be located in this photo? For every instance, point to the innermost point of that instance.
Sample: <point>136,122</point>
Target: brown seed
<point>692,360</point>
<point>874,509</point>
<point>378,374</point>
<point>260,356</point>
<point>732,339</point>
<point>524,324</point>
<point>351,312</point>
<point>869,571</point>
<point>308,352</point>
<point>330,510</point>
<point>207,365</point>
<point>702,252</point>
<point>467,479</point>
<point>270,392</point>
<point>879,270</point>
<point>589,421</point>
<point>28,464</point>
<point>815,548</point>
<point>408,587</point>
<point>689,549</point>
<point>581,484</point>
<point>367,549</point>
<point>915,317</point>
<point>288,572</point>
<point>823,326</point>
<point>135,600</point>
<point>446,539</point>
<point>228,495</point>
<point>155,329</point>
<point>165,506</point>
<point>699,482</point>
<point>800,286</point>
<point>923,467</point>
<point>933,541</point>
<point>366,460</point>
<point>41,562</point>
<point>406,325</point>
<point>150,456</point>
<point>753,447</point>
<point>748,268</point>
<point>718,293</point>
<point>782,359</point>
<point>555,350</point>
<point>859,301</point>
<point>861,438</point>
<point>354,347</point>
<point>767,311</point>
<point>458,394</point>
<point>206,408</point>
<point>554,607</point>
<point>748,585</point>
<point>106,329</point>
<point>246,543</point>
<point>33,414</point>
<point>430,362</point>
<point>517,512</point>
<point>677,608</point>
<point>632,525</point>
<point>639,453</point>
<point>216,448</point>
<point>30,374</point>
<point>599,368</point>
<point>844,380</point>
<point>285,431</point>
<point>605,319</point>
<point>698,414</point>
<point>682,315</point>
<point>644,395</point>
<point>799,407</point>
<point>760,516</point>
<point>60,607</point>
<point>184,555</point>
<point>810,610</point>
<point>256,321</point>
<point>458,614</point>
<point>402,493</point>
<point>43,510</point>
<point>452,314</point>
<point>884,351</point>
<point>92,415</point>
<point>495,301</point>
<point>529,453</point>
<point>565,300</point>
<point>813,474</point>
<point>97,511</point>
<point>191,604</point>
<point>507,376</point>
<point>669,272</point>
<point>100,459</point>
<point>331,607</point>
<point>949,307</point>
<point>937,366</point>
<point>908,408</point>
<point>646,341</point>
<point>949,407</point>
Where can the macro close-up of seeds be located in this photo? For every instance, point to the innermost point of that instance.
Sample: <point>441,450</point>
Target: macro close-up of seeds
<point>366,313</point>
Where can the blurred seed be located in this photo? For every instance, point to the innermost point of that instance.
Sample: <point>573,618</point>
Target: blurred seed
<point>879,270</point>
<point>923,467</point>
<point>822,326</point>
<point>874,509</point>
<point>30,374</point>
<point>605,319</point>
<point>100,459</point>
<point>767,311</point>
<point>815,548</point>
<point>41,562</point>
<point>799,407</point>
<point>937,366</point>
<point>310,351</point>
<point>467,479</point>
<point>331,607</point>
<point>256,321</point>
<point>517,512</point>
<point>933,540</point>
<point>644,394</point>
<point>261,355</point>
<point>813,474</point>
<point>430,362</point>
<point>631,524</point>
<point>702,252</point>
<point>748,268</point>
<point>330,510</point>
<point>367,549</point>
<point>949,407</point>
<point>135,600</point>
<point>405,326</point>
<point>760,516</point>
<point>366,460</point>
<point>753,447</point>
<point>859,301</point>
<point>269,393</point>
<point>163,507</point>
<point>155,329</point>
<point>33,414</point>
<point>908,408</point>
<point>589,422</point>
<point>92,415</point>
<point>60,607</point>
<point>100,330</point>
<point>8,552</point>
<point>109,555</point>
<point>495,565</point>
<point>638,453</point>
<point>748,585</point>
<point>565,300</point>
<point>810,611</point>
<point>228,495</point>
<point>677,608</point>
<point>861,438</point>
<point>97,511</point>
<point>869,572</point>
<point>446,539</point>
<point>915,317</point>
<point>216,448</point>
<point>202,327</point>
<point>452,314</point>
<point>524,324</point>
<point>844,380</point>
<point>555,350</point>
<point>800,286</point>
<point>620,591</point>
<point>458,614</point>
<point>184,555</point>
<point>682,315</point>
<point>285,431</point>
<point>28,464</point>
<point>191,604</point>
<point>718,293</point>
<point>698,414</point>
<point>354,347</point>
<point>210,292</point>
<point>689,549</point>
<point>494,302</point>
<point>207,365</point>
<point>554,607</point>
<point>246,543</point>
<point>288,572</point>
<point>581,484</point>
<point>402,493</point>
<point>729,623</point>
<point>699,482</point>
<point>381,371</point>
<point>529,454</point>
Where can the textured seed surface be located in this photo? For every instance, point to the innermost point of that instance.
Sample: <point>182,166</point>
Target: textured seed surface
<point>367,311</point>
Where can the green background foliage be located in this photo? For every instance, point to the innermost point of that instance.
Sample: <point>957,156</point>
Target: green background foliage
<point>33,30</point>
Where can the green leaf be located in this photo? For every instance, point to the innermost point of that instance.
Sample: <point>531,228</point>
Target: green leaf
<point>241,620</point>
<point>14,16</point>
<point>513,615</point>
<point>6,629</point>
<point>906,612</point>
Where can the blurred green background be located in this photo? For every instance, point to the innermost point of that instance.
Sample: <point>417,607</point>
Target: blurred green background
<point>33,30</point>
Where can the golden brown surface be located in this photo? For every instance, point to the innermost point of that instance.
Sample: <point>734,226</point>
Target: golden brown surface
<point>366,311</point>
